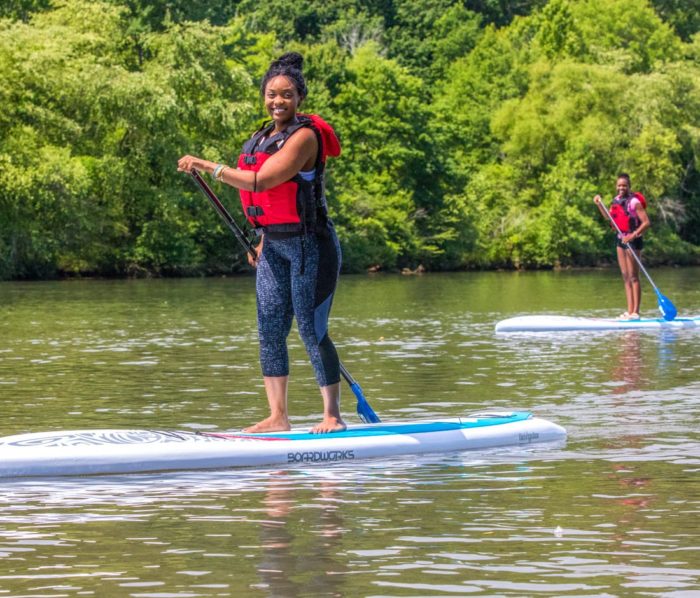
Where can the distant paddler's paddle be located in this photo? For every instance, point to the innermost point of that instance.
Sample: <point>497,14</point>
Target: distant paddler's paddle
<point>667,309</point>
<point>364,410</point>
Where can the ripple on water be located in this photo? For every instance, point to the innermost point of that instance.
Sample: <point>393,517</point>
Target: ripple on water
<point>611,513</point>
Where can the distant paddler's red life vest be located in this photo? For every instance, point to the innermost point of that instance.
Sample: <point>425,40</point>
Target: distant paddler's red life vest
<point>620,212</point>
<point>296,206</point>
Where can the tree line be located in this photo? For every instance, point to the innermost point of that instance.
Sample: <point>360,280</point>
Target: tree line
<point>475,133</point>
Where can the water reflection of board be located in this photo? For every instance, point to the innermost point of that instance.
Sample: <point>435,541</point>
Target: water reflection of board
<point>84,452</point>
<point>547,323</point>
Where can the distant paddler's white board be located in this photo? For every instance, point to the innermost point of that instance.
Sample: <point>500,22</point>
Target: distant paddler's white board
<point>86,452</point>
<point>550,323</point>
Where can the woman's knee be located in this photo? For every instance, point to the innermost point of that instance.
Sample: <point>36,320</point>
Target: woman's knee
<point>307,333</point>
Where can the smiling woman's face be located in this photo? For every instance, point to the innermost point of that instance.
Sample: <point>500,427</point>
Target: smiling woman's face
<point>623,186</point>
<point>281,99</point>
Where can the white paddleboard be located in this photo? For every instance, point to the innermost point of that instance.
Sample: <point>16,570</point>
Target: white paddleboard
<point>85,452</point>
<point>550,323</point>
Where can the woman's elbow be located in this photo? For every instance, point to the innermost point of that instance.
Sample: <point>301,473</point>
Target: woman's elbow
<point>262,183</point>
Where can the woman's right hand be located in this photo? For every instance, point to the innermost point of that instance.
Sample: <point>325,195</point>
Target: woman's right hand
<point>187,163</point>
<point>598,199</point>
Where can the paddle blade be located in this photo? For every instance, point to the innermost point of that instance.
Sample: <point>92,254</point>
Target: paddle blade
<point>364,410</point>
<point>667,309</point>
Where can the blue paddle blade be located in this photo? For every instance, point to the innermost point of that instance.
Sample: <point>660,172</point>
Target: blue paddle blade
<point>667,309</point>
<point>364,410</point>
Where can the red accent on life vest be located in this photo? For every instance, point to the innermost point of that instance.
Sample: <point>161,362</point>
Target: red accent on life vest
<point>620,212</point>
<point>331,144</point>
<point>295,205</point>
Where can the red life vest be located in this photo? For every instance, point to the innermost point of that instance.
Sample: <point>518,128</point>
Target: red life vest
<point>297,205</point>
<point>620,212</point>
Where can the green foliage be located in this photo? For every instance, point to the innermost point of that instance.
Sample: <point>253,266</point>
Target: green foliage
<point>474,133</point>
<point>503,12</point>
<point>22,9</point>
<point>572,110</point>
<point>427,40</point>
<point>682,15</point>
<point>91,140</point>
<point>464,103</point>
<point>383,121</point>
<point>558,35</point>
<point>625,33</point>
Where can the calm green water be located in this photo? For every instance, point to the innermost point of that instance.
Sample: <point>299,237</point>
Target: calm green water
<point>616,512</point>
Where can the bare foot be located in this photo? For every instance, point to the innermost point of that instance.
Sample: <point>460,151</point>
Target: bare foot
<point>270,424</point>
<point>329,424</point>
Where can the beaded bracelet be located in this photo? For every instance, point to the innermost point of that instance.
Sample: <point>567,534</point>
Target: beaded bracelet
<point>217,171</point>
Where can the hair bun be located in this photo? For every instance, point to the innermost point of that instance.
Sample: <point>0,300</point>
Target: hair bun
<point>288,65</point>
<point>292,59</point>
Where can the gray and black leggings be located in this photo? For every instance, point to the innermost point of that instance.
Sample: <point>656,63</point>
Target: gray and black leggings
<point>286,290</point>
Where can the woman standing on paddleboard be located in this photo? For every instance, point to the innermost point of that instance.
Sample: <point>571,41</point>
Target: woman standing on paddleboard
<point>628,210</point>
<point>280,178</point>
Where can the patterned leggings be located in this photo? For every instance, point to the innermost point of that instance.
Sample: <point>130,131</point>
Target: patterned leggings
<point>285,290</point>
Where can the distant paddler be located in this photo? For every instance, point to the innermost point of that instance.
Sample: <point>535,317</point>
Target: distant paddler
<point>629,215</point>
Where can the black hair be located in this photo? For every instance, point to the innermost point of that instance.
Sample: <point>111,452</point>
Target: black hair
<point>624,175</point>
<point>288,65</point>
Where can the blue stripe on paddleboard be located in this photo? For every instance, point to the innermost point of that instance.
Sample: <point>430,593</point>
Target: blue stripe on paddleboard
<point>389,430</point>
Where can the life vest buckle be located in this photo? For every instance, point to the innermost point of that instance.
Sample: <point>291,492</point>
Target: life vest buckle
<point>250,159</point>
<point>254,211</point>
